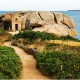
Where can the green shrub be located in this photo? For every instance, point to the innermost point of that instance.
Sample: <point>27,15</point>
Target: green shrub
<point>10,64</point>
<point>68,37</point>
<point>59,65</point>
<point>31,36</point>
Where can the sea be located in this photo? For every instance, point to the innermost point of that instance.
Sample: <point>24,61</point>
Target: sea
<point>75,15</point>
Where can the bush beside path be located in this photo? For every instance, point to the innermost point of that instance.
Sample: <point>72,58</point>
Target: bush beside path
<point>29,70</point>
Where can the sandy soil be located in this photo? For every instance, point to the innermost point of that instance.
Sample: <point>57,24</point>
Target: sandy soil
<point>14,32</point>
<point>29,70</point>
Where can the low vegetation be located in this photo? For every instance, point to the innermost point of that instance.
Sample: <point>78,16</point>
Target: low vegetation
<point>4,36</point>
<point>45,42</point>
<point>10,64</point>
<point>54,58</point>
<point>59,65</point>
<point>63,48</point>
<point>31,36</point>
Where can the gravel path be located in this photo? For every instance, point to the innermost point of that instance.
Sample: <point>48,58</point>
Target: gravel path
<point>29,70</point>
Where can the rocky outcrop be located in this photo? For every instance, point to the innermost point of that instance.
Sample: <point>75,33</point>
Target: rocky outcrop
<point>1,16</point>
<point>44,21</point>
<point>73,33</point>
<point>56,23</point>
<point>55,29</point>
<point>40,18</point>
<point>1,21</point>
<point>46,15</point>
<point>8,16</point>
<point>63,19</point>
<point>34,19</point>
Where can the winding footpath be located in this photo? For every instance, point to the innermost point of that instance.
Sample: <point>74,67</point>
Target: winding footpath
<point>29,70</point>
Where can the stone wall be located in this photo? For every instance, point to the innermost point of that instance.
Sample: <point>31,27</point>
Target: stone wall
<point>16,24</point>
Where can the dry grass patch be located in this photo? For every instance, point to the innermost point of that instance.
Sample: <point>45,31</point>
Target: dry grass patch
<point>69,43</point>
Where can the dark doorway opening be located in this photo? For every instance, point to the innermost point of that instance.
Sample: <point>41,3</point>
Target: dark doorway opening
<point>16,26</point>
<point>7,24</point>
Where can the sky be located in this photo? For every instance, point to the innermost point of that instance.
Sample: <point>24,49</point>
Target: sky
<point>37,5</point>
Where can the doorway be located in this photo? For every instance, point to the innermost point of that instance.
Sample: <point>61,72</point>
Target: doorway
<point>16,26</point>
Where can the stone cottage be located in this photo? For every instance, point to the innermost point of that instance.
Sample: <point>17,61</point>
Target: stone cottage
<point>16,22</point>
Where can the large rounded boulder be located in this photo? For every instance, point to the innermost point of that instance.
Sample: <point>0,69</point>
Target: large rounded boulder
<point>63,19</point>
<point>34,19</point>
<point>54,29</point>
<point>46,15</point>
<point>7,16</point>
<point>40,18</point>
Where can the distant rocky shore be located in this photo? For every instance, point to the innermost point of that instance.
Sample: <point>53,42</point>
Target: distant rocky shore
<point>74,10</point>
<point>43,21</point>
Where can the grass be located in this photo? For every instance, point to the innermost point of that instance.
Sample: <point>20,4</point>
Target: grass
<point>51,46</point>
<point>39,40</point>
<point>64,43</point>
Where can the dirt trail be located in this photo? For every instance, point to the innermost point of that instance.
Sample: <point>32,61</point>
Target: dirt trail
<point>29,70</point>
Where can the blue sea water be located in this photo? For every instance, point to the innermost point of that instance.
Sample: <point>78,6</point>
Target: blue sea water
<point>75,15</point>
<point>3,12</point>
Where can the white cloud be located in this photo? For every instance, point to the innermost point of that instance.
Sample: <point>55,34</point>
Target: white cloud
<point>39,4</point>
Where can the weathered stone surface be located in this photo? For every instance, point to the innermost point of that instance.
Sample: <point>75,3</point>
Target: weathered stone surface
<point>1,25</point>
<point>73,33</point>
<point>46,15</point>
<point>1,21</point>
<point>34,19</point>
<point>1,16</point>
<point>55,29</point>
<point>62,19</point>
<point>18,18</point>
<point>7,16</point>
<point>40,18</point>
